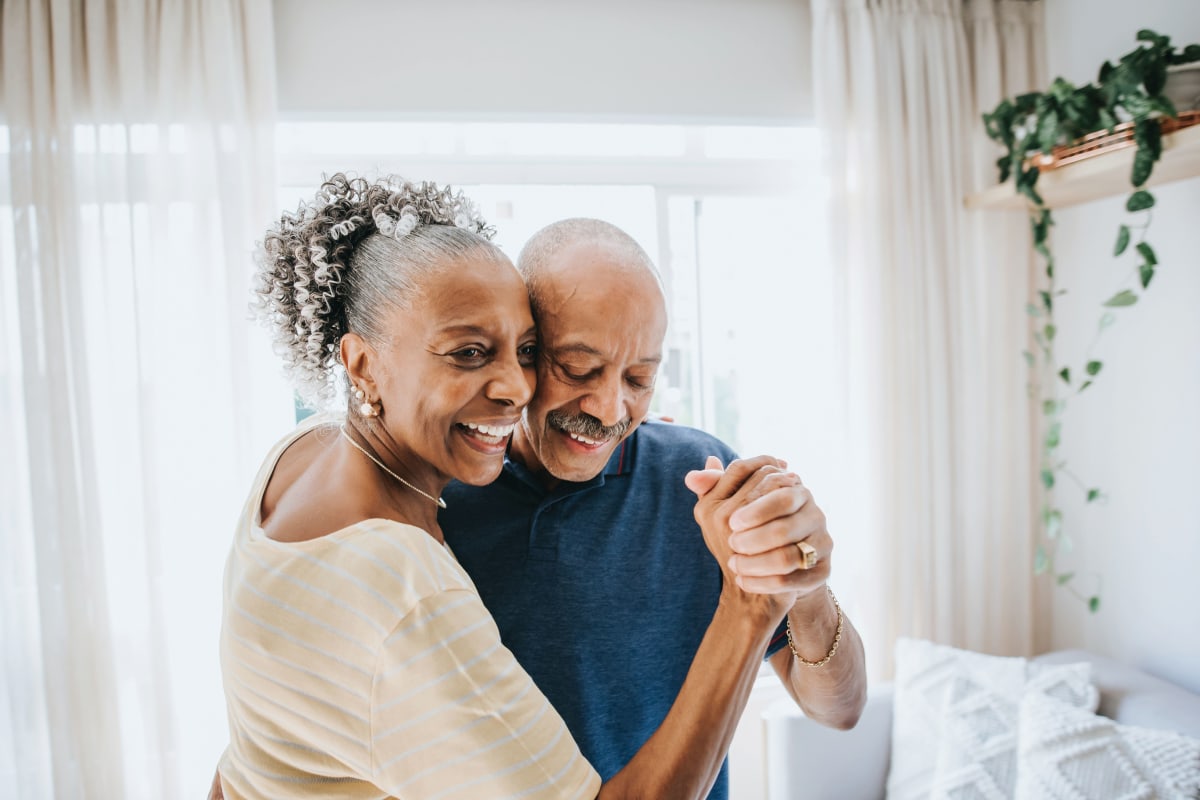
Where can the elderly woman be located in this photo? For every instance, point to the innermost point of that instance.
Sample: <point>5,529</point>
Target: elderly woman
<point>357,657</point>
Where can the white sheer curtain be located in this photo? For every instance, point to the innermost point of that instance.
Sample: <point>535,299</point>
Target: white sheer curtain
<point>138,172</point>
<point>931,321</point>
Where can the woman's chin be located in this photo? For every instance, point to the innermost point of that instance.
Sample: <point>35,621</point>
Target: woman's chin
<point>481,473</point>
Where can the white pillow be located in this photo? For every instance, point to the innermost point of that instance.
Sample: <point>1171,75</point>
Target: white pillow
<point>977,754</point>
<point>1067,753</point>
<point>965,703</point>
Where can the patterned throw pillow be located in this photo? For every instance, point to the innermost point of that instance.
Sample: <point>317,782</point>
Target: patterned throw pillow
<point>954,722</point>
<point>977,754</point>
<point>1067,753</point>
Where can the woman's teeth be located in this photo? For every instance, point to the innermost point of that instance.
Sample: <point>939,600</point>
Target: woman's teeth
<point>489,433</point>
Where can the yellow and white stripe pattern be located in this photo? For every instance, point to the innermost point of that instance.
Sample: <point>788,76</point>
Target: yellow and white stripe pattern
<point>362,664</point>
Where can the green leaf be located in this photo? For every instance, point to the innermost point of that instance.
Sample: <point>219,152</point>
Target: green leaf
<point>1093,367</point>
<point>1053,524</point>
<point>1187,55</point>
<point>1084,386</point>
<point>1061,89</point>
<point>1049,331</point>
<point>1146,274</point>
<point>1047,301</point>
<point>1048,478</point>
<point>1138,105</point>
<point>1093,604</point>
<point>1047,130</point>
<point>1029,360</point>
<point>1065,578</point>
<point>1092,495</point>
<point>1139,201</point>
<point>1147,253</point>
<point>1107,319</point>
<point>1148,133</point>
<point>1032,310</point>
<point>1049,407</point>
<point>1040,562</point>
<point>1156,76</point>
<point>1054,436</point>
<point>1122,240</point>
<point>1065,374</point>
<point>1143,165</point>
<point>1121,298</point>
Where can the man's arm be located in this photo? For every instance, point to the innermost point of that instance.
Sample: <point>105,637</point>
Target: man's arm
<point>766,531</point>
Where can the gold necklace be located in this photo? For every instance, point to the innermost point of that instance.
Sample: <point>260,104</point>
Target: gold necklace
<point>441,503</point>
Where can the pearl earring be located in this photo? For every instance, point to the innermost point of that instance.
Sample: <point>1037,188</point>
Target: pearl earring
<point>366,409</point>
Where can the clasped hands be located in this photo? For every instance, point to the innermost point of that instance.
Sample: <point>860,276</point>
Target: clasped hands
<point>753,514</point>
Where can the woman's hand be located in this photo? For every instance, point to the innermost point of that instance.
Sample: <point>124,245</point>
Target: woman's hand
<point>767,492</point>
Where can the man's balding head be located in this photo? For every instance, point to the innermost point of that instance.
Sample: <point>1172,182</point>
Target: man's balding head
<point>601,318</point>
<point>542,255</point>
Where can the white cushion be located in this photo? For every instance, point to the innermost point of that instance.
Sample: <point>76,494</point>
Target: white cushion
<point>1067,753</point>
<point>954,725</point>
<point>977,753</point>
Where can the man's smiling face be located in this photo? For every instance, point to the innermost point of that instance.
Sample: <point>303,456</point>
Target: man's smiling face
<point>601,324</point>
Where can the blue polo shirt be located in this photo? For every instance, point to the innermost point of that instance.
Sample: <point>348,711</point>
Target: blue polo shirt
<point>602,589</point>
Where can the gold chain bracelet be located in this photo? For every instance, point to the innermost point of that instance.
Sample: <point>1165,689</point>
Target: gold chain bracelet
<point>837,637</point>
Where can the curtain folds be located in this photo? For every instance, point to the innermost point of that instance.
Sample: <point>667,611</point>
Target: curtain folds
<point>139,171</point>
<point>930,309</point>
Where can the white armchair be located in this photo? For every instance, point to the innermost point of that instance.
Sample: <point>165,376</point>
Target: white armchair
<point>808,760</point>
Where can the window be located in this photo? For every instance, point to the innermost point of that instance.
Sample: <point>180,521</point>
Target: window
<point>732,215</point>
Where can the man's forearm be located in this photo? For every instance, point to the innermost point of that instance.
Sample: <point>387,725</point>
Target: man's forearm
<point>834,693</point>
<point>684,756</point>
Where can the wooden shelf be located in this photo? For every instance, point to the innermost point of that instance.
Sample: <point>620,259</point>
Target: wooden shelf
<point>1099,176</point>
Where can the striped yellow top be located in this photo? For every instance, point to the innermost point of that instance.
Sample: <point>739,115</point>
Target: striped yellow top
<point>362,664</point>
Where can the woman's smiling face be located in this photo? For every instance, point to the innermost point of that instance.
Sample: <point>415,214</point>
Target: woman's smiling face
<point>455,369</point>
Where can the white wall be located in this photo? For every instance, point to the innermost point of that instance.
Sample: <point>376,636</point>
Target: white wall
<point>702,59</point>
<point>1136,433</point>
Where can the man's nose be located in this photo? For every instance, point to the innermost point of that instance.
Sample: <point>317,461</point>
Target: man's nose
<point>607,402</point>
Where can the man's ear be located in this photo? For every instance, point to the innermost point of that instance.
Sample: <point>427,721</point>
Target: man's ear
<point>358,358</point>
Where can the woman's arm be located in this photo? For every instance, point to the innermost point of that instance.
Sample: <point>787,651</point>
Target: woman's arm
<point>683,757</point>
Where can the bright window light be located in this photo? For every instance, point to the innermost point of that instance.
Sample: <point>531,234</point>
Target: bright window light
<point>740,241</point>
<point>646,141</point>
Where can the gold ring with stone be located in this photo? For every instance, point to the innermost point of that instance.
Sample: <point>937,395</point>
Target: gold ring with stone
<point>808,555</point>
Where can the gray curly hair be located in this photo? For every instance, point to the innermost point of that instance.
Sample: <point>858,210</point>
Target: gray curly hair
<point>342,261</point>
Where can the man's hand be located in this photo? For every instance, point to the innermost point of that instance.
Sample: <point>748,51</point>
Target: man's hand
<point>721,494</point>
<point>771,514</point>
<point>770,517</point>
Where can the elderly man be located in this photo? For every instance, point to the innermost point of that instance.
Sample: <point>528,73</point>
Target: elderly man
<point>588,548</point>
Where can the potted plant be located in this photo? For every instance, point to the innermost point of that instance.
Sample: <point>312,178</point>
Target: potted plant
<point>1127,99</point>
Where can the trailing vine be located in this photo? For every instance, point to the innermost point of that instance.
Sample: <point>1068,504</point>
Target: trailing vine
<point>1132,91</point>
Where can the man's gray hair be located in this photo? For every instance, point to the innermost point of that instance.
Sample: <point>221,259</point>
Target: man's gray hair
<point>544,245</point>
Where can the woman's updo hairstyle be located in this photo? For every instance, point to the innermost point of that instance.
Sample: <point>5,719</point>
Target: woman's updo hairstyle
<point>342,261</point>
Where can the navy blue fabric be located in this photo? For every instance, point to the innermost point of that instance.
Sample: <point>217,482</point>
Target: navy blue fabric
<point>602,590</point>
